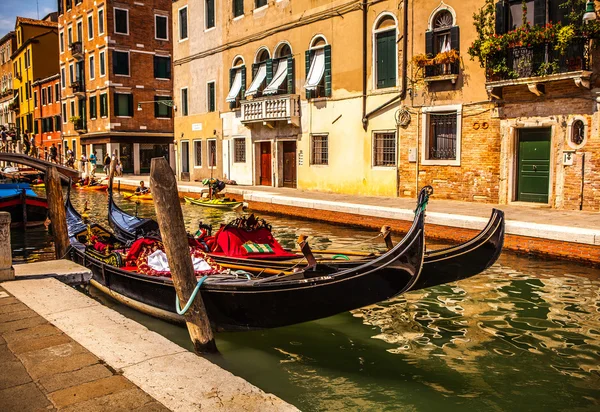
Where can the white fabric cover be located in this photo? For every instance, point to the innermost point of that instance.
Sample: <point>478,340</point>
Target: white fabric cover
<point>278,78</point>
<point>317,69</point>
<point>158,261</point>
<point>258,79</point>
<point>235,87</point>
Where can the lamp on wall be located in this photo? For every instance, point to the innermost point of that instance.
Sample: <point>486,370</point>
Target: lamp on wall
<point>169,103</point>
<point>590,12</point>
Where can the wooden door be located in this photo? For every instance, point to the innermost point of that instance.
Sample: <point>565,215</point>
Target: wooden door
<point>185,161</point>
<point>265,164</point>
<point>533,180</point>
<point>289,164</point>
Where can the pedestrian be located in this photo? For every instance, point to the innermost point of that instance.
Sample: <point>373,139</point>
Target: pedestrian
<point>119,168</point>
<point>45,153</point>
<point>93,160</point>
<point>4,136</point>
<point>53,153</point>
<point>82,162</point>
<point>33,146</point>
<point>26,142</point>
<point>106,163</point>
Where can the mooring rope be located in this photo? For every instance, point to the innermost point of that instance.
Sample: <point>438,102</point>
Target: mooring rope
<point>191,299</point>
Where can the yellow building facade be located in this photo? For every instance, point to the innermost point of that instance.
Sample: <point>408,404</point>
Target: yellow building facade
<point>36,57</point>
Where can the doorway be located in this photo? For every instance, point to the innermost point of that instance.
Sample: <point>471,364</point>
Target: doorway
<point>533,169</point>
<point>265,164</point>
<point>289,164</point>
<point>185,161</point>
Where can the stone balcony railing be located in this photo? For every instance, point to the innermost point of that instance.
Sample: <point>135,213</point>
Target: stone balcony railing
<point>76,49</point>
<point>285,108</point>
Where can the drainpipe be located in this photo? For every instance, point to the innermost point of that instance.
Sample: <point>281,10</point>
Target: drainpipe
<point>365,9</point>
<point>582,180</point>
<point>403,89</point>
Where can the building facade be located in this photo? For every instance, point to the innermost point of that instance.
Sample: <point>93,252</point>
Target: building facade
<point>36,57</point>
<point>8,44</point>
<point>47,113</point>
<point>382,98</point>
<point>115,65</point>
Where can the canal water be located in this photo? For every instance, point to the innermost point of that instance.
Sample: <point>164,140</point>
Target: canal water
<point>524,335</point>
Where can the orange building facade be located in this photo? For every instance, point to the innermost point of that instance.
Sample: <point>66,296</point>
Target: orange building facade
<point>47,114</point>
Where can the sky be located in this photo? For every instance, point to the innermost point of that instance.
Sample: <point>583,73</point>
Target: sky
<point>10,9</point>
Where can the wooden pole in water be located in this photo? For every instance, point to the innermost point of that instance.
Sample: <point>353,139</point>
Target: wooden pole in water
<point>56,207</point>
<point>174,236</point>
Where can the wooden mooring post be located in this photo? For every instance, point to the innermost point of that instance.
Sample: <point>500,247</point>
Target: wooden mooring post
<point>58,216</point>
<point>174,236</point>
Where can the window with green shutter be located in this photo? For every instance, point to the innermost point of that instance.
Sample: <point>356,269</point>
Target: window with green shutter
<point>238,8</point>
<point>385,53</point>
<point>121,63</point>
<point>162,67</point>
<point>161,109</point>
<point>103,105</point>
<point>123,104</point>
<point>93,107</point>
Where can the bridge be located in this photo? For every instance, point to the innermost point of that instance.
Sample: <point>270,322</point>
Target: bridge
<point>39,164</point>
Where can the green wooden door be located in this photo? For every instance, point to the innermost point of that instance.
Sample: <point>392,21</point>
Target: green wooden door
<point>386,59</point>
<point>534,165</point>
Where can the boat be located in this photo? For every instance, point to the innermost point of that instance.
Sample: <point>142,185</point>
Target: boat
<point>23,204</point>
<point>440,266</point>
<point>256,300</point>
<point>79,186</point>
<point>214,203</point>
<point>136,196</point>
<point>20,174</point>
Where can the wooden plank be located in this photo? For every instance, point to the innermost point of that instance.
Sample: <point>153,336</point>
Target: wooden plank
<point>174,235</point>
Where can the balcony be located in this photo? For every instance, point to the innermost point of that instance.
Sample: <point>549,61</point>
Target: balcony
<point>539,64</point>
<point>78,88</point>
<point>76,49</point>
<point>78,124</point>
<point>442,71</point>
<point>14,106</point>
<point>268,109</point>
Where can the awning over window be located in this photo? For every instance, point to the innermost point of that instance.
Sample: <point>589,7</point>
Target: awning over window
<point>317,68</point>
<point>236,86</point>
<point>278,79</point>
<point>258,79</point>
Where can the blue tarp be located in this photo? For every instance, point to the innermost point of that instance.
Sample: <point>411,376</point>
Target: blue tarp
<point>11,189</point>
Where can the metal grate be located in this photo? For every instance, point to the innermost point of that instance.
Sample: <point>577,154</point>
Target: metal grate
<point>384,149</point>
<point>320,150</point>
<point>198,151</point>
<point>212,153</point>
<point>239,150</point>
<point>442,135</point>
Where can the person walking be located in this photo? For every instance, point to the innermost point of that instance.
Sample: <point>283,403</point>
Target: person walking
<point>4,137</point>
<point>82,161</point>
<point>106,163</point>
<point>93,160</point>
<point>26,143</point>
<point>53,153</point>
<point>34,152</point>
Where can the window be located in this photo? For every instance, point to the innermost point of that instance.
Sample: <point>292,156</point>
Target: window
<point>260,3</point>
<point>239,150</point>
<point>61,37</point>
<point>237,82</point>
<point>70,35</point>
<point>198,153</point>
<point>319,154</point>
<point>318,69</point>
<point>386,67</point>
<point>102,64</point>
<point>282,81</point>
<point>184,101</point>
<point>93,107</point>
<point>103,105</point>
<point>90,26</point>
<point>26,92</point>
<point>209,14</point>
<point>123,104</point>
<point>35,98</point>
<point>212,153</point>
<point>441,135</point>
<point>160,109</point>
<point>80,30</point>
<point>162,67</point>
<point>69,3</point>
<point>57,122</point>
<point>27,58</point>
<point>442,37</point>
<point>56,92</point>
<point>121,21</point>
<point>238,8</point>
<point>210,96</point>
<point>64,113</point>
<point>100,21</point>
<point>160,27</point>
<point>49,94</point>
<point>384,149</point>
<point>71,73</point>
<point>183,30</point>
<point>577,137</point>
<point>121,63</point>
<point>73,108</point>
<point>35,127</point>
<point>92,67</point>
<point>259,73</point>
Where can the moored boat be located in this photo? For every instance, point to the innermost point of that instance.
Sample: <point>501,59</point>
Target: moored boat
<point>23,204</point>
<point>218,203</point>
<point>136,196</point>
<point>91,187</point>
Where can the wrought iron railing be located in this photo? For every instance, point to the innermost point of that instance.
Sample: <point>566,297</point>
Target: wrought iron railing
<point>442,69</point>
<point>78,86</point>
<point>76,48</point>
<point>539,60</point>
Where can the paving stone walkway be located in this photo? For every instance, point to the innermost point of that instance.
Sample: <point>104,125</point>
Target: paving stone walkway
<point>43,369</point>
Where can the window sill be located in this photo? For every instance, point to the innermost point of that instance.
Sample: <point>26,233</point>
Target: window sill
<point>241,16</point>
<point>261,8</point>
<point>209,29</point>
<point>388,168</point>
<point>123,75</point>
<point>122,34</point>
<point>124,117</point>
<point>183,40</point>
<point>319,99</point>
<point>444,77</point>
<point>318,165</point>
<point>159,39</point>
<point>384,90</point>
<point>197,167</point>
<point>427,162</point>
<point>163,118</point>
<point>162,79</point>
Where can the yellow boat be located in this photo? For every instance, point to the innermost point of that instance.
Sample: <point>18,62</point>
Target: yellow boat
<point>215,203</point>
<point>134,196</point>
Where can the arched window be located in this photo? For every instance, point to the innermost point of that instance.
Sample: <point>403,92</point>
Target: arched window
<point>318,68</point>
<point>385,33</point>
<point>442,23</point>
<point>442,43</point>
<point>280,74</point>
<point>259,72</point>
<point>237,82</point>
<point>577,137</point>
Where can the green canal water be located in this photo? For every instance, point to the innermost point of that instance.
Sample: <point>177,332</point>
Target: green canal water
<point>522,336</point>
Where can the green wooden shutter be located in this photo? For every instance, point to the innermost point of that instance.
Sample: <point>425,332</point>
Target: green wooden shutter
<point>328,70</point>
<point>290,75</point>
<point>454,38</point>
<point>307,55</point>
<point>429,43</point>
<point>269,76</point>
<point>254,69</point>
<point>501,17</point>
<point>243,91</point>
<point>539,12</point>
<point>116,104</point>
<point>130,104</point>
<point>386,60</point>
<point>156,67</point>
<point>231,77</point>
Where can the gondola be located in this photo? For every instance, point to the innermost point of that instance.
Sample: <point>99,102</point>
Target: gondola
<point>259,302</point>
<point>23,204</point>
<point>439,266</point>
